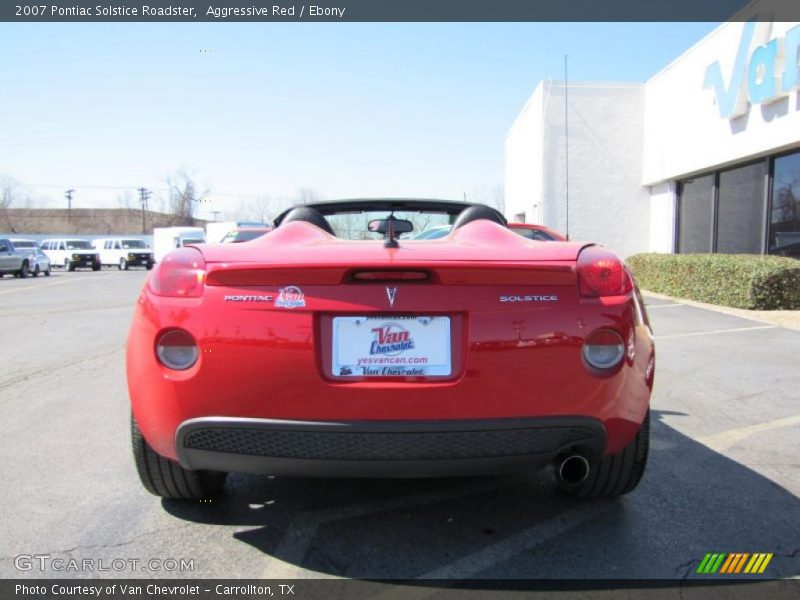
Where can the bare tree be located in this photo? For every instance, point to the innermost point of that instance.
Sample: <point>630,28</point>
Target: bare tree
<point>491,196</point>
<point>125,200</point>
<point>12,192</point>
<point>305,195</point>
<point>184,194</point>
<point>19,196</point>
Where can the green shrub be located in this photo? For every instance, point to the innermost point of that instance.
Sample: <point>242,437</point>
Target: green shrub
<point>737,280</point>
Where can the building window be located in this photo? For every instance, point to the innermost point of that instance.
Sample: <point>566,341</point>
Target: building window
<point>784,228</point>
<point>696,214</point>
<point>740,210</point>
<point>519,217</point>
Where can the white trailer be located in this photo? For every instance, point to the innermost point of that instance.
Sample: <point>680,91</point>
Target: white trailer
<point>167,239</point>
<point>216,230</point>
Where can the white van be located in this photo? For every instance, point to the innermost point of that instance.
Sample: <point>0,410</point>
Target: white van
<point>124,252</point>
<point>71,253</point>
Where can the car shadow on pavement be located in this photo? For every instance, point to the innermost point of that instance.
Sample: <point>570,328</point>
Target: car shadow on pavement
<point>691,501</point>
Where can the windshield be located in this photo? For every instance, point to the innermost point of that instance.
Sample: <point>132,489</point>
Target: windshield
<point>130,244</point>
<point>353,226</point>
<point>78,245</point>
<point>433,233</point>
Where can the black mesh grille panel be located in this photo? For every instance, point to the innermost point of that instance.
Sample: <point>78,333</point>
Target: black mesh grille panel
<point>328,445</point>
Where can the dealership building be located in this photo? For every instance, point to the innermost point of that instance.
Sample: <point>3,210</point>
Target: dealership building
<point>703,157</point>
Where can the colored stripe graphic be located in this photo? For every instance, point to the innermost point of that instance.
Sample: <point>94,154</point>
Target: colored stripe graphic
<point>711,562</point>
<point>758,563</point>
<point>723,563</point>
<point>734,563</point>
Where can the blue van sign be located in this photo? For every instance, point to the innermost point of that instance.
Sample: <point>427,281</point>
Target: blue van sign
<point>762,76</point>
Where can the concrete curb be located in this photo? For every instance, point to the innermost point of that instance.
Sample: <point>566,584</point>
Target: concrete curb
<point>789,319</point>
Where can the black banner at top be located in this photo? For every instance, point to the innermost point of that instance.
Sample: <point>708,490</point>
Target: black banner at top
<point>395,10</point>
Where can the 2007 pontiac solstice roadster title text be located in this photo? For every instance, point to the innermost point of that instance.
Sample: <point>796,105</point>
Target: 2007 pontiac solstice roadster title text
<point>335,346</point>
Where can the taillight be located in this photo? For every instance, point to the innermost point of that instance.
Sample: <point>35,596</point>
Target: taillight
<point>602,273</point>
<point>180,274</point>
<point>603,349</point>
<point>177,349</point>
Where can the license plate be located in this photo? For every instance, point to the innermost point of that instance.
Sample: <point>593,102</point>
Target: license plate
<point>395,346</point>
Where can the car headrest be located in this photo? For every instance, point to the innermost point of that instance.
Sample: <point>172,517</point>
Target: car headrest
<point>478,211</point>
<point>309,215</point>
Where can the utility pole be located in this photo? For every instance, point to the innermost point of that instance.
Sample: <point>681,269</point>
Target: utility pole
<point>68,194</point>
<point>566,140</point>
<point>144,194</point>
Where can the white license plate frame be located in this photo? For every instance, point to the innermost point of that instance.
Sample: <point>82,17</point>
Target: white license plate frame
<point>375,347</point>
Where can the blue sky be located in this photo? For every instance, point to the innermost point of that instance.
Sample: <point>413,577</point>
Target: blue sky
<point>348,109</point>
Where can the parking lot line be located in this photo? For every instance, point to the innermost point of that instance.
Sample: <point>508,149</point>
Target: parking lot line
<point>719,442</point>
<point>714,332</point>
<point>649,306</point>
<point>504,550</point>
<point>34,287</point>
<point>300,534</point>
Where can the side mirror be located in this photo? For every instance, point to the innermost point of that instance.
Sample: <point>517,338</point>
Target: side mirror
<point>397,226</point>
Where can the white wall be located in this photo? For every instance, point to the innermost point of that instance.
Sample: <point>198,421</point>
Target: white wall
<point>629,143</point>
<point>662,218</point>
<point>607,202</point>
<point>684,132</point>
<point>524,147</point>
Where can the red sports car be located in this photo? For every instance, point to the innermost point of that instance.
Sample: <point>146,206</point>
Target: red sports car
<point>335,347</point>
<point>537,232</point>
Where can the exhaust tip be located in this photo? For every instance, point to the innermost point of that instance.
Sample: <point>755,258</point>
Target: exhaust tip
<point>573,470</point>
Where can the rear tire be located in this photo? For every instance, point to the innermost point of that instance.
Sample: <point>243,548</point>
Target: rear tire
<point>166,478</point>
<point>23,272</point>
<point>47,273</point>
<point>616,474</point>
<point>36,271</point>
<point>123,265</point>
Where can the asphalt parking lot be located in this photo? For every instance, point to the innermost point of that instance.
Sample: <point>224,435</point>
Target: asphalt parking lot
<point>723,476</point>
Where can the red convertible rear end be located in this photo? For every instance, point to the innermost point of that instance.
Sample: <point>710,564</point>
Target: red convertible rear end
<point>306,353</point>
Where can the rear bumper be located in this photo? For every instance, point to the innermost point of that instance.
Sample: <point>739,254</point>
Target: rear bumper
<point>384,448</point>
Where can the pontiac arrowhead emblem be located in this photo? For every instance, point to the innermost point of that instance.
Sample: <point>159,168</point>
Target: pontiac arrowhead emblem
<point>391,293</point>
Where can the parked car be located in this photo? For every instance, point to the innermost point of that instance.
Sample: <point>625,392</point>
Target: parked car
<point>526,230</point>
<point>72,253</point>
<point>244,234</point>
<point>167,239</point>
<point>13,261</point>
<point>41,264</point>
<point>24,244</point>
<point>304,353</point>
<point>217,231</point>
<point>536,232</point>
<point>124,253</point>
